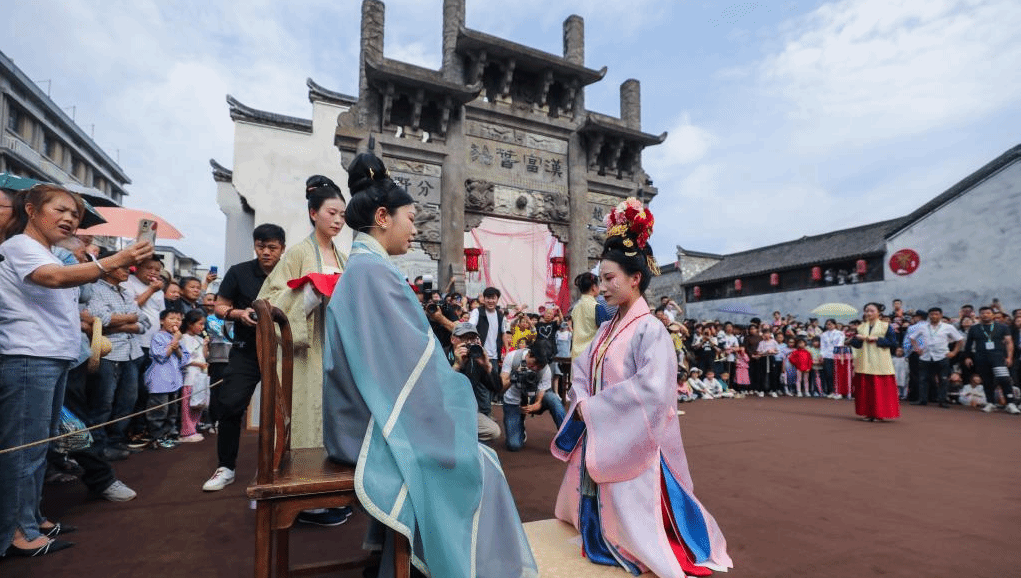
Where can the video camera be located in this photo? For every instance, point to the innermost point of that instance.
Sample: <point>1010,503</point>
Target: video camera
<point>528,382</point>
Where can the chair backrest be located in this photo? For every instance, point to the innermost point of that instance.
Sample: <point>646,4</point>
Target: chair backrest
<point>275,404</point>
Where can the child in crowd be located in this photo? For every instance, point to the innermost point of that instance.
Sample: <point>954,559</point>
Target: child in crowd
<point>684,392</point>
<point>789,374</point>
<point>973,394</point>
<point>521,344</point>
<point>801,360</point>
<point>696,385</point>
<point>523,330</point>
<point>817,364</point>
<point>164,378</point>
<point>712,386</point>
<point>742,379</point>
<point>723,380</point>
<point>901,372</point>
<point>196,347</point>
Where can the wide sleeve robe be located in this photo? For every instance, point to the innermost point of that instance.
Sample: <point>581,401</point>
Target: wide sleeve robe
<point>395,408</point>
<point>307,334</point>
<point>631,430</point>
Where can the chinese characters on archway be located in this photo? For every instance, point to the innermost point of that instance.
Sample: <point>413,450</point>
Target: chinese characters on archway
<point>517,162</point>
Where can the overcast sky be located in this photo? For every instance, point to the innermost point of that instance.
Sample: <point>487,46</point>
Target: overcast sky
<point>786,118</point>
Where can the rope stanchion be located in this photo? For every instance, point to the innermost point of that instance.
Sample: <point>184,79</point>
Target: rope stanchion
<point>95,427</point>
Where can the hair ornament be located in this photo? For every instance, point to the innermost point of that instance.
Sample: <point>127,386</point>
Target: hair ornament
<point>631,220</point>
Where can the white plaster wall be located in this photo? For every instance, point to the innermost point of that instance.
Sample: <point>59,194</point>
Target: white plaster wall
<point>968,250</point>
<point>271,165</point>
<point>799,303</point>
<point>967,254</point>
<point>237,245</point>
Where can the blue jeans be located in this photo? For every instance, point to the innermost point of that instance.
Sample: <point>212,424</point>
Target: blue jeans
<point>31,393</point>
<point>514,420</point>
<point>114,394</point>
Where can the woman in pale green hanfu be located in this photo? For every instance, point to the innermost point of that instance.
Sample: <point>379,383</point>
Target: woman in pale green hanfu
<point>393,406</point>
<point>306,308</point>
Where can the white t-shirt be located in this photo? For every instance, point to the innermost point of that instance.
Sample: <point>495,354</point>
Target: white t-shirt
<point>151,309</point>
<point>729,342</point>
<point>513,394</point>
<point>493,340</point>
<point>35,320</point>
<point>828,340</point>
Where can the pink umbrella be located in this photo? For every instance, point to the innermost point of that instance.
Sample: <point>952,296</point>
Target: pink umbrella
<point>123,222</point>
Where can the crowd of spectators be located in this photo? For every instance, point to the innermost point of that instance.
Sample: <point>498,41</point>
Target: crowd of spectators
<point>106,334</point>
<point>967,359</point>
<point>88,336</point>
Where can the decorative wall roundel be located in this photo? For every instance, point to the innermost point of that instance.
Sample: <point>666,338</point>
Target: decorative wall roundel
<point>904,262</point>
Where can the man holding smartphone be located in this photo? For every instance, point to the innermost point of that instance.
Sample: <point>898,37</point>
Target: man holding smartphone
<point>239,289</point>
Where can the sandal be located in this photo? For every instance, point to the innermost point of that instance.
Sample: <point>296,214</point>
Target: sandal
<point>56,530</point>
<point>51,546</point>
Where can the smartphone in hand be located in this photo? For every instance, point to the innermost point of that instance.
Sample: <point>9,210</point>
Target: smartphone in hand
<point>147,231</point>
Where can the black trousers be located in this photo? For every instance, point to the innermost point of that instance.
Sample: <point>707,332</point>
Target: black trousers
<point>914,378</point>
<point>230,400</point>
<point>984,367</point>
<point>757,367</point>
<point>99,473</point>
<point>940,370</point>
<point>775,368</point>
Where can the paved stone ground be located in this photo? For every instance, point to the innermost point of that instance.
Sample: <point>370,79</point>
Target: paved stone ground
<point>799,487</point>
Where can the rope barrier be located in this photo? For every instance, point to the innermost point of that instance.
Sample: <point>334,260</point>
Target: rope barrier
<point>95,427</point>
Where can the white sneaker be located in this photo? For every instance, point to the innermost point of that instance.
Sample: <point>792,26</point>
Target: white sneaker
<point>800,394</point>
<point>1012,409</point>
<point>195,437</point>
<point>760,394</point>
<point>118,492</point>
<point>988,408</point>
<point>773,394</point>
<point>221,478</point>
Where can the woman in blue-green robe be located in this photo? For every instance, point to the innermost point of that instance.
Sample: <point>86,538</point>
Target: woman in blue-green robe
<point>393,406</point>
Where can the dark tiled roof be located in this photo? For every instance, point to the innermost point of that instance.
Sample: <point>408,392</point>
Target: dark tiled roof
<point>526,56</point>
<point>819,249</point>
<point>955,191</point>
<point>243,112</point>
<point>317,92</point>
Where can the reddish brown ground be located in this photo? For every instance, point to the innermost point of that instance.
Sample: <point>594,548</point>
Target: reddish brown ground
<point>799,487</point>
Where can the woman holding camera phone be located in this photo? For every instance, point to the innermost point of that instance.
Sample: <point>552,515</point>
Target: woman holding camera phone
<point>627,489</point>
<point>40,337</point>
<point>395,408</point>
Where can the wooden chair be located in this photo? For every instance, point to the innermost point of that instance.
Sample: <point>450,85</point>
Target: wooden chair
<point>291,480</point>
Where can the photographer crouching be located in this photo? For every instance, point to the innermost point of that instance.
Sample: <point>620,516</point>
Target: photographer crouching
<point>467,357</point>
<point>527,380</point>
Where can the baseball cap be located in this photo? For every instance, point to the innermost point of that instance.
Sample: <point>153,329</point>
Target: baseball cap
<point>464,328</point>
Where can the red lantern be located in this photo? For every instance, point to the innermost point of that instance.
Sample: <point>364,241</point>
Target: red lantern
<point>816,273</point>
<point>737,285</point>
<point>697,292</point>
<point>774,279</point>
<point>471,259</point>
<point>559,266</point>
<point>861,266</point>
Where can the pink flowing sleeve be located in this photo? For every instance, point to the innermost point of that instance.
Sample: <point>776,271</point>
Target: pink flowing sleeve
<point>626,420</point>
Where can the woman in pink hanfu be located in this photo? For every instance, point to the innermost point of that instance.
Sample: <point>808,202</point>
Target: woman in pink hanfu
<point>627,488</point>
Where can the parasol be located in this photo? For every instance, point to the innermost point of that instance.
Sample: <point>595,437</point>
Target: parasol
<point>835,310</point>
<point>123,222</point>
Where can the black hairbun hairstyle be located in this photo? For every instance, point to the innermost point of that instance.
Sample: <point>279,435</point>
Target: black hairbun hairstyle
<point>371,188</point>
<point>318,190</point>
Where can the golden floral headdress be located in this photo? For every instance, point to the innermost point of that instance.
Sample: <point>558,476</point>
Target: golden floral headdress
<point>633,222</point>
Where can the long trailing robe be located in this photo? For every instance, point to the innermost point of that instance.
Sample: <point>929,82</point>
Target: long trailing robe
<point>393,406</point>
